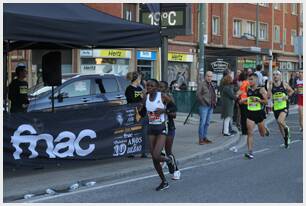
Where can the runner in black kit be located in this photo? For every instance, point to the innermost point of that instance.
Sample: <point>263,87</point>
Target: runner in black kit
<point>155,103</point>
<point>280,92</point>
<point>257,98</point>
<point>171,114</point>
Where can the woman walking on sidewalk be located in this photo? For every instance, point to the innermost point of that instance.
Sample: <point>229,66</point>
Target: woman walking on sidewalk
<point>171,114</point>
<point>155,103</point>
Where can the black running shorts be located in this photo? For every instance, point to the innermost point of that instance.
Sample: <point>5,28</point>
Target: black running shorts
<point>159,129</point>
<point>277,112</point>
<point>257,116</point>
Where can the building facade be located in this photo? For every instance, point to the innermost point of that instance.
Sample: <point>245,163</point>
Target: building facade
<point>226,26</point>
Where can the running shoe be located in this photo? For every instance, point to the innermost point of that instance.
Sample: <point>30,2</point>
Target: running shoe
<point>249,156</point>
<point>267,132</point>
<point>176,175</point>
<point>162,186</point>
<point>170,164</point>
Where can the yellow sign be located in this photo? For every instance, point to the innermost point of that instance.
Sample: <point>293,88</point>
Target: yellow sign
<point>179,57</point>
<point>114,53</point>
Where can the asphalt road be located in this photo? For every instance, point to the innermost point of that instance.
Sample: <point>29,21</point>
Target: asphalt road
<point>275,175</point>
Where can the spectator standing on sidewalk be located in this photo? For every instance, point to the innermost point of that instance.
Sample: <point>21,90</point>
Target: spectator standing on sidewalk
<point>18,90</point>
<point>206,97</point>
<point>228,101</point>
<point>236,117</point>
<point>259,75</point>
<point>135,93</point>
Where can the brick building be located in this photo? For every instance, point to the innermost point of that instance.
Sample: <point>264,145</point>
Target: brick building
<point>227,25</point>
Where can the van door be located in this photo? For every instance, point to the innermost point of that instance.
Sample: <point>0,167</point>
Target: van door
<point>75,95</point>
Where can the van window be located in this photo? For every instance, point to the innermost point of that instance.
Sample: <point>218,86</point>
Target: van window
<point>108,85</point>
<point>77,88</point>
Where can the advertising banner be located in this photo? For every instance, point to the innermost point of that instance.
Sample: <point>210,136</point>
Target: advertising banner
<point>95,133</point>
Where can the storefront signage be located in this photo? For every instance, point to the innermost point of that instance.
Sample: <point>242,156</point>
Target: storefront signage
<point>146,55</point>
<point>86,53</point>
<point>112,53</point>
<point>176,57</point>
<point>219,66</point>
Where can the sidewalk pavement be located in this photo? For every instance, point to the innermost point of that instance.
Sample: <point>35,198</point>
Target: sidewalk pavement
<point>186,148</point>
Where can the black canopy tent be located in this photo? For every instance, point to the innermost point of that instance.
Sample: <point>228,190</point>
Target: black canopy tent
<point>54,26</point>
<point>67,26</point>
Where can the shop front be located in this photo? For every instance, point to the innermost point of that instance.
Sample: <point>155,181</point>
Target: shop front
<point>146,63</point>
<point>105,61</point>
<point>179,66</point>
<point>287,65</point>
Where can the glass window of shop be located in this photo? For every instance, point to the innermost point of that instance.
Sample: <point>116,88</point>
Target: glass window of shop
<point>179,66</point>
<point>145,63</point>
<point>105,61</point>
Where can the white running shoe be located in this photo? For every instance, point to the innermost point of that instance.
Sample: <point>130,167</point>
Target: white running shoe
<point>176,175</point>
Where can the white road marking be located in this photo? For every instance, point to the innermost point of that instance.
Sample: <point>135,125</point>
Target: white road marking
<point>134,179</point>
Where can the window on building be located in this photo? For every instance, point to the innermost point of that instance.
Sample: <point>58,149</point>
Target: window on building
<point>251,28</point>
<point>294,9</point>
<point>277,6</point>
<point>237,28</point>
<point>215,25</point>
<point>293,35</point>
<point>129,12</point>
<point>263,31</point>
<point>285,6</point>
<point>285,36</point>
<point>276,33</point>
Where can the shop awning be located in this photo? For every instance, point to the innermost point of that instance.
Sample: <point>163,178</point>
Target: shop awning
<point>252,51</point>
<point>54,26</point>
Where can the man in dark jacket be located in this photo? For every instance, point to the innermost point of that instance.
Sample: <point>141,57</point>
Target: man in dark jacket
<point>18,90</point>
<point>207,99</point>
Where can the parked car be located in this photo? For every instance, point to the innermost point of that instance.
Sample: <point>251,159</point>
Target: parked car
<point>79,92</point>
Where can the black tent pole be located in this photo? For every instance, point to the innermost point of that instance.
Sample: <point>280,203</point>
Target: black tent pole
<point>5,66</point>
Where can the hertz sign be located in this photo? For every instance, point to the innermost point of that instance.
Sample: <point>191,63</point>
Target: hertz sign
<point>175,18</point>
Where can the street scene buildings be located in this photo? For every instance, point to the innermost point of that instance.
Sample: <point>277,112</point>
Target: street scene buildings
<point>152,102</point>
<point>226,26</point>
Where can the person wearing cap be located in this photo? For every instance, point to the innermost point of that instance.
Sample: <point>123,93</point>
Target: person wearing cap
<point>18,90</point>
<point>280,92</point>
